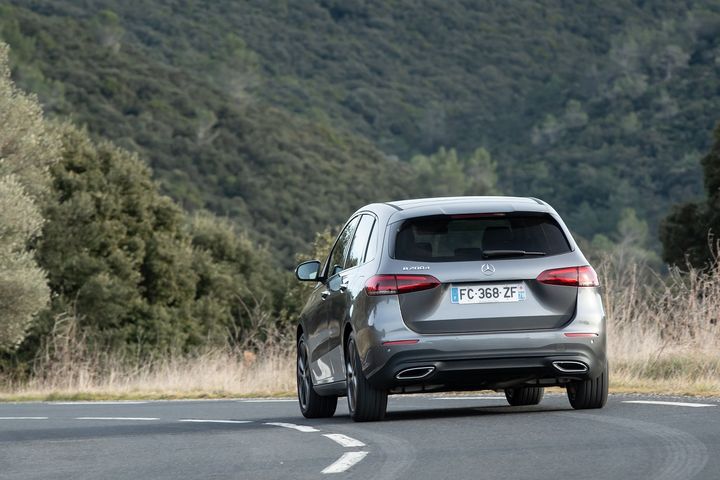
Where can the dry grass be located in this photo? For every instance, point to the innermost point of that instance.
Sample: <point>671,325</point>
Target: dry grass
<point>664,337</point>
<point>218,374</point>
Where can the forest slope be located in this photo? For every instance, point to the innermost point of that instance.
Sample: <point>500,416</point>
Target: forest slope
<point>239,106</point>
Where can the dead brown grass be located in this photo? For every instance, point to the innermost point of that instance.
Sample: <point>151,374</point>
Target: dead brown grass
<point>664,337</point>
<point>216,374</point>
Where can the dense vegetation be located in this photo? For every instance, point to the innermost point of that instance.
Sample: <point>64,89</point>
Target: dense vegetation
<point>91,249</point>
<point>128,263</point>
<point>269,112</point>
<point>210,141</point>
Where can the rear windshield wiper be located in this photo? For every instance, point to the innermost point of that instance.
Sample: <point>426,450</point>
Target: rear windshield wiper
<point>510,253</point>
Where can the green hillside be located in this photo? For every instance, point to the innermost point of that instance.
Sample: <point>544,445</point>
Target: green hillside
<point>286,115</point>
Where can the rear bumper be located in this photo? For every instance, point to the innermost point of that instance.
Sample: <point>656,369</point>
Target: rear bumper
<point>457,367</point>
<point>484,360</point>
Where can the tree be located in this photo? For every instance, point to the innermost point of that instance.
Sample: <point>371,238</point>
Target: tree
<point>444,173</point>
<point>27,148</point>
<point>629,244</point>
<point>115,250</point>
<point>28,144</point>
<point>240,293</point>
<point>23,287</point>
<point>136,273</point>
<point>481,171</point>
<point>690,232</point>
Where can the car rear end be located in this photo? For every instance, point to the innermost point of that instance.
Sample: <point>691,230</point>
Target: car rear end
<point>481,294</point>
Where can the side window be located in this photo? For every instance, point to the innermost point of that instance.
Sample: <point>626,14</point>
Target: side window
<point>356,255</point>
<point>339,252</point>
<point>372,244</point>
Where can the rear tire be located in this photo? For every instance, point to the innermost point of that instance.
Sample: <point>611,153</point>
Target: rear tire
<point>520,396</point>
<point>365,403</point>
<point>590,393</point>
<point>312,405</point>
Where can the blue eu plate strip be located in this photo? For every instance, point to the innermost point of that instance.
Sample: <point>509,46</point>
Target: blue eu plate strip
<point>454,295</point>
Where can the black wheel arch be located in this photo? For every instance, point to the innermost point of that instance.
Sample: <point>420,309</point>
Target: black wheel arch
<point>347,330</point>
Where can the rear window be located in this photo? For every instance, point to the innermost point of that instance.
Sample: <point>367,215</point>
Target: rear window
<point>448,238</point>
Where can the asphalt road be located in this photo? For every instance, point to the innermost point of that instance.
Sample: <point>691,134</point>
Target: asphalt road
<point>423,438</point>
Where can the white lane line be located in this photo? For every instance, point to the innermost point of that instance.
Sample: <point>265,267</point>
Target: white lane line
<point>345,462</point>
<point>23,418</point>
<point>268,400</point>
<point>344,440</point>
<point>299,428</point>
<point>123,402</point>
<point>200,420</point>
<point>468,398</point>
<point>676,404</point>
<point>139,419</point>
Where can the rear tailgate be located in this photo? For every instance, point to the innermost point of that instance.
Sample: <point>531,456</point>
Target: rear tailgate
<point>479,255</point>
<point>517,301</point>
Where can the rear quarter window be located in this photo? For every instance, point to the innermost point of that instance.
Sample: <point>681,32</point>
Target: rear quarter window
<point>356,255</point>
<point>447,238</point>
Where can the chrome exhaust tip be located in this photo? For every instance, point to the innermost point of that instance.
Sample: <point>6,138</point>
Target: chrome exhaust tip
<point>414,373</point>
<point>570,366</point>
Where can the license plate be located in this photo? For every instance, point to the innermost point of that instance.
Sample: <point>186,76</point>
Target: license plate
<point>502,293</point>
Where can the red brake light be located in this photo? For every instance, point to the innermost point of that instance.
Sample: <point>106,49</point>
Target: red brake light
<point>394,284</point>
<point>583,276</point>
<point>477,215</point>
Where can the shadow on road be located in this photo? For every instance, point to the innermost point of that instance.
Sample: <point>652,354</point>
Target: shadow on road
<point>415,414</point>
<point>435,413</point>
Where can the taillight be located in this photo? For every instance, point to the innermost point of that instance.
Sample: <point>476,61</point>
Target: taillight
<point>570,277</point>
<point>394,284</point>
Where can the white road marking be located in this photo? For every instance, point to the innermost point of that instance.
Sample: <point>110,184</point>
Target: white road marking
<point>676,404</point>
<point>299,428</point>
<point>268,400</point>
<point>468,398</point>
<point>140,419</point>
<point>345,462</point>
<point>120,402</point>
<point>23,418</point>
<point>344,440</point>
<point>200,420</point>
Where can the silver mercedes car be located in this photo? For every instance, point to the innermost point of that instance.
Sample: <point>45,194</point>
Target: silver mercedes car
<point>450,294</point>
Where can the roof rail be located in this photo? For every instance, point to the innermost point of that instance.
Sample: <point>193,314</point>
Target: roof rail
<point>538,200</point>
<point>393,206</point>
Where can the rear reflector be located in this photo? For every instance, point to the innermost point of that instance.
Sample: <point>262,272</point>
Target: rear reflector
<point>583,276</point>
<point>400,342</point>
<point>580,334</point>
<point>394,284</point>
